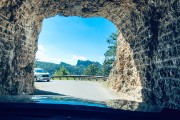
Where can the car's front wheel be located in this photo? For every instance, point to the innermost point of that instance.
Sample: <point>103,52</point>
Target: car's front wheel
<point>48,80</point>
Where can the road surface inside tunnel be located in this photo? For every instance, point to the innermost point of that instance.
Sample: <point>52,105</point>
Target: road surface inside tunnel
<point>90,90</point>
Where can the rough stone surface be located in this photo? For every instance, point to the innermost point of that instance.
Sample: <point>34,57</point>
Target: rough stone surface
<point>148,54</point>
<point>133,106</point>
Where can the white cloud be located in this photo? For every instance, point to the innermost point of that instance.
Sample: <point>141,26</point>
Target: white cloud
<point>41,52</point>
<point>102,57</point>
<point>75,57</point>
<point>41,48</point>
<point>41,55</point>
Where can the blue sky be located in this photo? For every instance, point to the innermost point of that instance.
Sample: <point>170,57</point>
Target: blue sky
<point>68,39</point>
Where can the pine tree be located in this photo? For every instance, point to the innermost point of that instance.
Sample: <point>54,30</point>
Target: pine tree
<point>61,71</point>
<point>110,54</point>
<point>92,69</point>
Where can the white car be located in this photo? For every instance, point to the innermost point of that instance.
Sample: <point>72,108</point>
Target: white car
<point>40,74</point>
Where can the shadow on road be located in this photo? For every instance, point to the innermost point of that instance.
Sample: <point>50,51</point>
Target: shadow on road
<point>42,92</point>
<point>43,81</point>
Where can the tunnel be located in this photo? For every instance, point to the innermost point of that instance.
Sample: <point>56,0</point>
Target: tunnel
<point>148,45</point>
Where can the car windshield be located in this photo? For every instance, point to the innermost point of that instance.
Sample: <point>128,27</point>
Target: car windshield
<point>40,71</point>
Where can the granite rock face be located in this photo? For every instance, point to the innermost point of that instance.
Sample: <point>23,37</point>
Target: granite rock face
<point>148,54</point>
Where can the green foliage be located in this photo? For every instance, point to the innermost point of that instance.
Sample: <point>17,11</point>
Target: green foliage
<point>73,70</point>
<point>85,64</point>
<point>110,54</point>
<point>50,67</point>
<point>112,41</point>
<point>107,66</point>
<point>92,69</point>
<point>85,67</point>
<point>61,71</point>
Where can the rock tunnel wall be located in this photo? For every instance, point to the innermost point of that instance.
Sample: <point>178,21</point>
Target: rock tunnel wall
<point>148,53</point>
<point>154,41</point>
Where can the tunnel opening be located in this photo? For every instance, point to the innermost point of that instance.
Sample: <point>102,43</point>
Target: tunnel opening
<point>72,50</point>
<point>74,39</point>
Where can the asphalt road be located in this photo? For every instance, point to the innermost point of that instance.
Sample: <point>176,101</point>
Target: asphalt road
<point>80,89</point>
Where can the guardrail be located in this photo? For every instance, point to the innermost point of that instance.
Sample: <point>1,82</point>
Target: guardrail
<point>80,77</point>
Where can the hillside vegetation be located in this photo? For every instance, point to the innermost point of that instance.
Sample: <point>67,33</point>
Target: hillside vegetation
<point>85,67</point>
<point>79,69</point>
